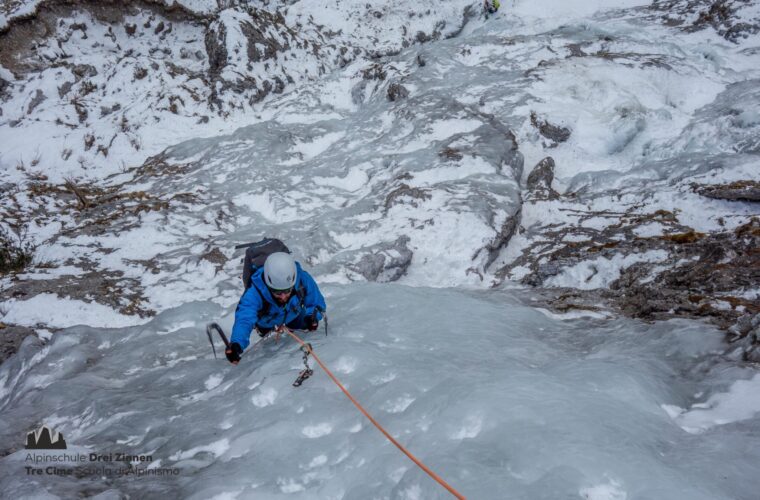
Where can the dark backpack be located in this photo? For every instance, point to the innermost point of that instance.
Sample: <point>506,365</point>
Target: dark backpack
<point>255,256</point>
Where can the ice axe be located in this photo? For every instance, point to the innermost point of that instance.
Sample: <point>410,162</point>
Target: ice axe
<point>215,326</point>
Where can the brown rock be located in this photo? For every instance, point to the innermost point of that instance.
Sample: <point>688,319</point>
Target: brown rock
<point>541,177</point>
<point>735,191</point>
<point>554,133</point>
<point>397,91</point>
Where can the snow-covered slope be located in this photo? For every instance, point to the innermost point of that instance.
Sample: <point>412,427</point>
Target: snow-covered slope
<point>594,160</point>
<point>422,153</point>
<point>417,166</point>
<point>99,84</point>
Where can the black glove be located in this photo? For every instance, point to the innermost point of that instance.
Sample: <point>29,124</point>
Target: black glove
<point>312,323</point>
<point>233,353</point>
<point>263,331</point>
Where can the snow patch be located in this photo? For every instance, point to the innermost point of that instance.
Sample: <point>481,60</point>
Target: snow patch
<point>355,179</point>
<point>213,381</point>
<point>740,402</point>
<point>599,273</point>
<point>576,314</point>
<point>608,491</point>
<point>319,145</point>
<point>290,485</point>
<point>345,364</point>
<point>264,397</point>
<point>317,461</point>
<point>399,404</point>
<point>53,311</point>
<point>315,431</point>
<point>471,428</point>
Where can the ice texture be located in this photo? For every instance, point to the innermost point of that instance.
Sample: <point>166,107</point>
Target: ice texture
<point>496,397</point>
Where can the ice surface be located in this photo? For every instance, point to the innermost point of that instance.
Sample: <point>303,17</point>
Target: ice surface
<point>493,396</point>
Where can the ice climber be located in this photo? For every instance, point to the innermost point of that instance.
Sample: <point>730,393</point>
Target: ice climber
<point>280,293</point>
<point>491,6</point>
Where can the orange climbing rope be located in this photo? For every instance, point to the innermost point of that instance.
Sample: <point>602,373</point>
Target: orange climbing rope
<point>371,419</point>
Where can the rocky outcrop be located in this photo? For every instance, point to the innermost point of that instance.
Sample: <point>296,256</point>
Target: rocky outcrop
<point>711,276</point>
<point>396,91</point>
<point>714,269</point>
<point>539,183</point>
<point>719,15</point>
<point>236,34</point>
<point>499,242</point>
<point>216,49</point>
<point>119,64</point>
<point>11,337</point>
<point>555,133</point>
<point>253,53</point>
<point>734,191</point>
<point>385,262</point>
<point>406,194</point>
<point>744,337</point>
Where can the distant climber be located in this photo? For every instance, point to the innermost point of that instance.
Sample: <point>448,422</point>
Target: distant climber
<point>491,6</point>
<point>278,293</point>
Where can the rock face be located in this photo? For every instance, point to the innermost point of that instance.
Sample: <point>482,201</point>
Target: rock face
<point>539,181</point>
<point>181,62</point>
<point>715,267</point>
<point>254,53</point>
<point>120,63</point>
<point>397,91</point>
<point>681,274</point>
<point>745,336</point>
<point>386,262</point>
<point>554,133</point>
<point>11,337</point>
<point>697,15</point>
<point>734,191</point>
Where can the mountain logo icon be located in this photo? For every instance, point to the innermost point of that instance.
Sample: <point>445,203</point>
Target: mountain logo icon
<point>45,439</point>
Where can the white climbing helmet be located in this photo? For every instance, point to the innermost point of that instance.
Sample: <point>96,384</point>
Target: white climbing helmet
<point>280,271</point>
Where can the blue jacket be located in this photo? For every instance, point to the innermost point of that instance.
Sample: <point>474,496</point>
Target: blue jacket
<point>252,302</point>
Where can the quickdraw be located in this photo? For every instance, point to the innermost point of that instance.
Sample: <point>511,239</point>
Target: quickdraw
<point>307,371</point>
